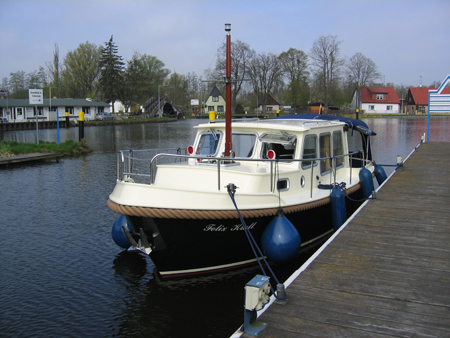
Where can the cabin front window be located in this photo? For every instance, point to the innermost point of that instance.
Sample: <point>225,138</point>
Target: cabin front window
<point>309,150</point>
<point>325,151</point>
<point>243,144</point>
<point>337,148</point>
<point>208,143</point>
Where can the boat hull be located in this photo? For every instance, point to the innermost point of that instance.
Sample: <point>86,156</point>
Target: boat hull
<point>195,246</point>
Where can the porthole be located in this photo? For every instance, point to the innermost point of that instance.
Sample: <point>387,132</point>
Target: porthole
<point>302,181</point>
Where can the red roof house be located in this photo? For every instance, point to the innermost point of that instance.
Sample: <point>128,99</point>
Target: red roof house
<point>417,99</point>
<point>378,100</point>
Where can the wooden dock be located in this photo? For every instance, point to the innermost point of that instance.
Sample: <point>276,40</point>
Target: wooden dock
<point>387,273</point>
<point>29,158</point>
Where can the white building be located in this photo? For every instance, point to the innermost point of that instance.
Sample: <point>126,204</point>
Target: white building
<point>377,100</point>
<point>20,110</point>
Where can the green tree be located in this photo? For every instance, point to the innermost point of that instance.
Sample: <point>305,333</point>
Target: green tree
<point>144,74</point>
<point>111,72</point>
<point>295,67</point>
<point>79,78</point>
<point>177,89</point>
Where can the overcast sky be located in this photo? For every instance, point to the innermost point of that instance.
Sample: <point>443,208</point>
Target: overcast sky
<point>409,40</point>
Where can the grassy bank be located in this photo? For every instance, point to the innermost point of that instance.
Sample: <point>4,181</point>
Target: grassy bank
<point>13,148</point>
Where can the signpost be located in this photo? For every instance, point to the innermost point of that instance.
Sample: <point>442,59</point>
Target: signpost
<point>36,96</point>
<point>438,102</point>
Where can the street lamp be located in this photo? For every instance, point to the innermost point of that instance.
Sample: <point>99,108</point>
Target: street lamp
<point>159,101</point>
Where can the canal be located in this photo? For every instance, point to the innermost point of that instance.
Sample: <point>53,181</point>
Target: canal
<point>62,276</point>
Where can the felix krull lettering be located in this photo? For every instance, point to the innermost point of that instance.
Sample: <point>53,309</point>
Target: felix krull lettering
<point>221,227</point>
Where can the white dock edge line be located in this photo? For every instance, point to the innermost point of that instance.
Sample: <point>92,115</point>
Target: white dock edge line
<point>305,265</point>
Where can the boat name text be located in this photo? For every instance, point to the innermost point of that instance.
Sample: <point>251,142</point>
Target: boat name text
<point>221,227</point>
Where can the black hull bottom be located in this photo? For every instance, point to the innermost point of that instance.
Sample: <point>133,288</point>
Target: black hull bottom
<point>202,246</point>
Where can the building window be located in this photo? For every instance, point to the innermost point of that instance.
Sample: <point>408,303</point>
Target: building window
<point>220,109</point>
<point>380,97</point>
<point>371,107</point>
<point>211,108</point>
<point>69,110</point>
<point>269,108</point>
<point>86,110</point>
<point>19,111</point>
<point>40,111</point>
<point>215,99</point>
<point>388,107</point>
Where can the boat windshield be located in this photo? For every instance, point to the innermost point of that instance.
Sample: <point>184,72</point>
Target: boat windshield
<point>208,143</point>
<point>243,144</point>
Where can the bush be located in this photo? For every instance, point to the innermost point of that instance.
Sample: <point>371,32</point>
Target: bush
<point>69,147</point>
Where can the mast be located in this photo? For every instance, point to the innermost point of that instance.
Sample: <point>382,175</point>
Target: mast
<point>227,80</point>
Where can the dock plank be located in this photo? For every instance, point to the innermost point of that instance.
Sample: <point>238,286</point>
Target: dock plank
<point>387,273</point>
<point>30,158</point>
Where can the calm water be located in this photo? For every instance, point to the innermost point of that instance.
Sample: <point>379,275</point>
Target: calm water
<point>62,276</point>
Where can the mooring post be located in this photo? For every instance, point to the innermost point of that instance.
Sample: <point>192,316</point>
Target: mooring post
<point>67,120</point>
<point>80,126</point>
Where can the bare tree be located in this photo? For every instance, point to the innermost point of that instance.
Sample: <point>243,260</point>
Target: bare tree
<point>54,69</point>
<point>241,57</point>
<point>267,74</point>
<point>326,66</point>
<point>36,79</point>
<point>361,71</point>
<point>17,81</point>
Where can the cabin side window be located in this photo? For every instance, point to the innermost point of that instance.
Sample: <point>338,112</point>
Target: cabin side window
<point>338,148</point>
<point>325,151</point>
<point>208,143</point>
<point>355,143</point>
<point>309,150</point>
<point>282,151</point>
<point>243,144</point>
<point>281,143</point>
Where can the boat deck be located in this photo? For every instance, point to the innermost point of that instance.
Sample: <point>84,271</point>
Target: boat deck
<point>387,273</point>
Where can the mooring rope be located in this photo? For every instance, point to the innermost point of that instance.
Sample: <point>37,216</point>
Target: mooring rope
<point>211,214</point>
<point>231,188</point>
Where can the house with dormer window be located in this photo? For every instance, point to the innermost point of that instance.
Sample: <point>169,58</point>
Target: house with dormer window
<point>377,100</point>
<point>216,102</point>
